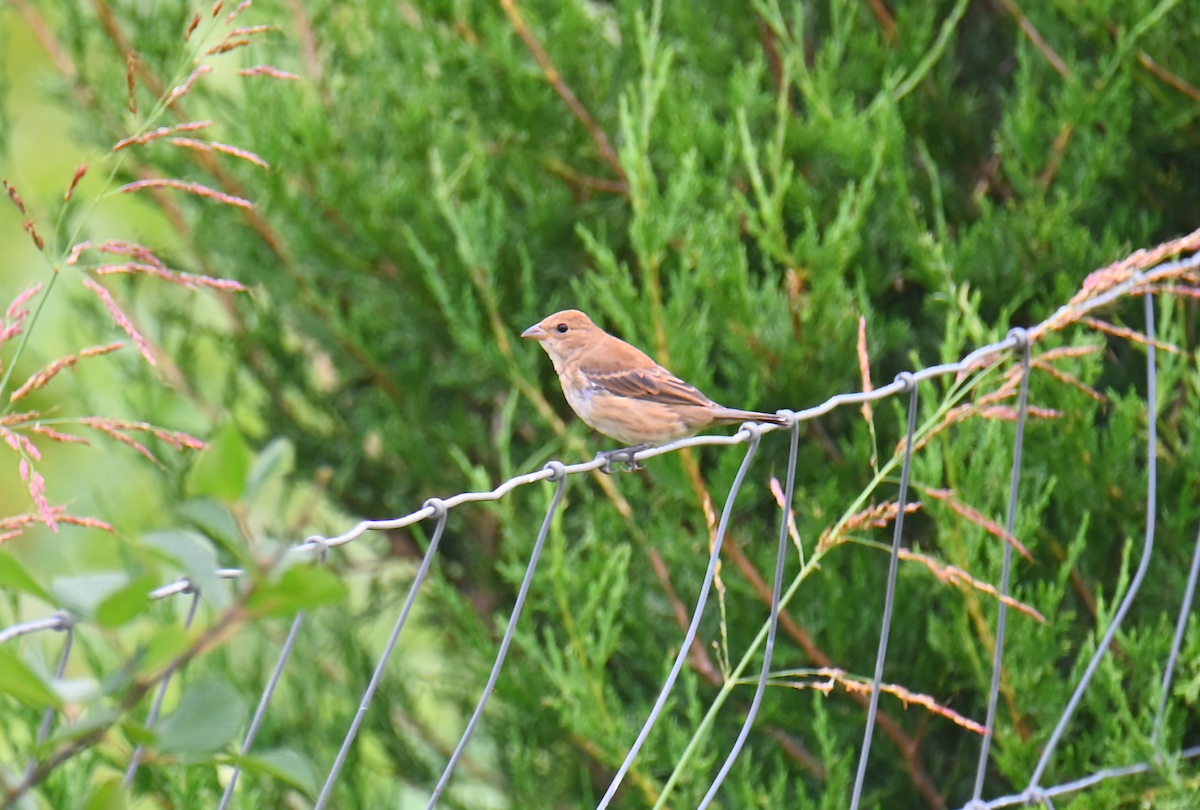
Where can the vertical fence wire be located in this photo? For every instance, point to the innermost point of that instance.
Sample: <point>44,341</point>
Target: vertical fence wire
<point>559,478</point>
<point>1010,527</point>
<point>68,625</point>
<point>439,509</point>
<point>152,718</point>
<point>685,648</point>
<point>889,598</point>
<point>284,654</point>
<point>781,555</point>
<point>1185,610</point>
<point>1148,546</point>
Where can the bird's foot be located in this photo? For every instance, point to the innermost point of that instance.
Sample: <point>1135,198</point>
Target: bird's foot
<point>625,456</point>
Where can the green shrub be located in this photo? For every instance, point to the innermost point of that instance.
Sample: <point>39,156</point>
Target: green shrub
<point>751,180</point>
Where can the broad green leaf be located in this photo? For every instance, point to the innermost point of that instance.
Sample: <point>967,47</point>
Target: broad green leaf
<point>92,721</point>
<point>301,587</point>
<point>124,604</point>
<point>22,683</point>
<point>210,713</point>
<point>276,459</point>
<point>136,733</point>
<point>84,593</point>
<point>13,577</point>
<point>164,646</point>
<point>195,554</point>
<point>220,470</point>
<point>284,764</point>
<point>108,795</point>
<point>216,521</point>
<point>76,690</point>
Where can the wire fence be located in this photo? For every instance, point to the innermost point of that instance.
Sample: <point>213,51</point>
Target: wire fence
<point>1018,341</point>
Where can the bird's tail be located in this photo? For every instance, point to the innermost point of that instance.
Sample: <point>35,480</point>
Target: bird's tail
<point>731,416</point>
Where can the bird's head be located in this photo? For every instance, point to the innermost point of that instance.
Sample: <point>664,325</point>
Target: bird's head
<point>563,334</point>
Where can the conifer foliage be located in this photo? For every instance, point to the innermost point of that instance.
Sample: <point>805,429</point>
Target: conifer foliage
<point>778,201</point>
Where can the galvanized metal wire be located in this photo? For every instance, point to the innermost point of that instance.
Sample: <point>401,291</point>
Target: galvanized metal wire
<point>558,474</point>
<point>377,676</point>
<point>156,707</point>
<point>1185,610</point>
<point>264,700</point>
<point>685,646</point>
<point>781,554</point>
<point>67,625</point>
<point>750,435</point>
<point>1143,565</point>
<point>889,599</point>
<point>1010,526</point>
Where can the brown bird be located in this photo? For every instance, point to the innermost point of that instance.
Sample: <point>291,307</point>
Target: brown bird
<point>619,391</point>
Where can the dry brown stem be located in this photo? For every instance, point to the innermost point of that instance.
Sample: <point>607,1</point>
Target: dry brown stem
<point>1036,38</point>
<point>607,153</point>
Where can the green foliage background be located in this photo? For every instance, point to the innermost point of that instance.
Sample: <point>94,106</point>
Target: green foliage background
<point>777,171</point>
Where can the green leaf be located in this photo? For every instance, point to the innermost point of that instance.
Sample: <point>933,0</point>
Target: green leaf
<point>209,714</point>
<point>283,764</point>
<point>220,470</point>
<point>83,594</point>
<point>195,554</point>
<point>108,795</point>
<point>164,646</point>
<point>125,604</point>
<point>92,721</point>
<point>22,683</point>
<point>13,577</point>
<point>136,733</point>
<point>276,459</point>
<point>301,587</point>
<point>217,522</point>
<point>76,690</point>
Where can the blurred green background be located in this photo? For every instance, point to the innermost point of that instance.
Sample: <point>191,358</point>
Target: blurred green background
<point>768,174</point>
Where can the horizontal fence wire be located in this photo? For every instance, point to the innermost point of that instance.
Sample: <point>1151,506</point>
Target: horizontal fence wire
<point>751,435</point>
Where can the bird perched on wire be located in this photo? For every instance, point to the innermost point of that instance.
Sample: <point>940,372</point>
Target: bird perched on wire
<point>619,391</point>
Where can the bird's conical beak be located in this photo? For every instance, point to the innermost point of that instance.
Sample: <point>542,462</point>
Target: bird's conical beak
<point>535,332</point>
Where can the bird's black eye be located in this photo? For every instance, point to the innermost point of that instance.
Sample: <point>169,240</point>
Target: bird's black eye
<point>562,327</point>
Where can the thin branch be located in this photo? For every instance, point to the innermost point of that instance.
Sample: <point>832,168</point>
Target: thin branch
<point>1057,150</point>
<point>855,685</point>
<point>700,660</point>
<point>564,92</point>
<point>886,21</point>
<point>1167,76</point>
<point>909,747</point>
<point>1129,334</point>
<point>214,635</point>
<point>580,182</point>
<point>1036,38</point>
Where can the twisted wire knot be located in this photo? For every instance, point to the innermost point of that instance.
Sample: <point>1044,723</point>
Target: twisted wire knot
<point>320,546</point>
<point>1021,335</point>
<point>437,505</point>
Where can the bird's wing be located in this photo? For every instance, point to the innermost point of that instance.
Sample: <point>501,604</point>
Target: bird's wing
<point>653,384</point>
